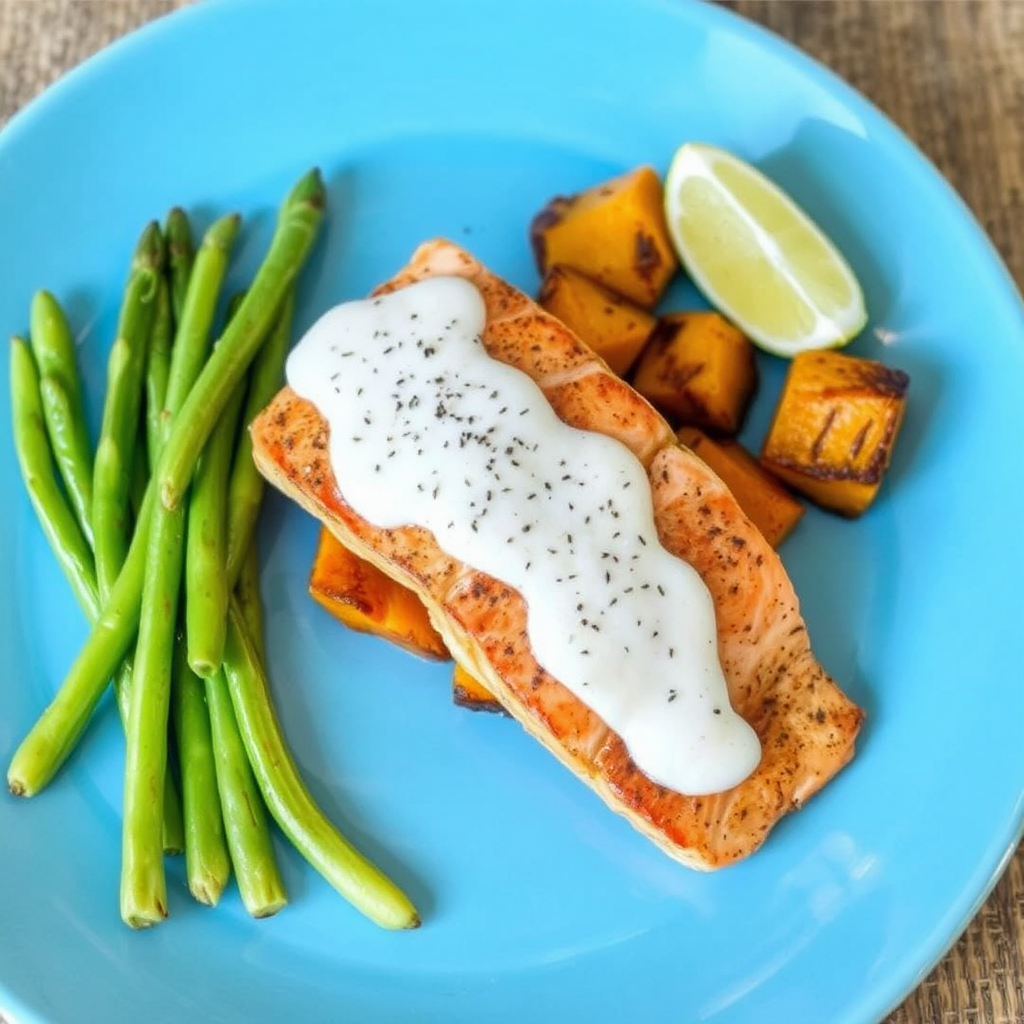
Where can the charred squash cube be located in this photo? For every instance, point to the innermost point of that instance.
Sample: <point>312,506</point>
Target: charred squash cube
<point>768,505</point>
<point>365,599</point>
<point>611,325</point>
<point>698,370</point>
<point>834,428</point>
<point>614,233</point>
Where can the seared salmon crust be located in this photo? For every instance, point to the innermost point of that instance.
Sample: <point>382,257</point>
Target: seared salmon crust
<point>806,725</point>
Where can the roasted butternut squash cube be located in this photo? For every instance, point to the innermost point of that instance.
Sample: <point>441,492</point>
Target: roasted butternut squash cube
<point>834,428</point>
<point>365,599</point>
<point>614,233</point>
<point>699,370</point>
<point>611,325</point>
<point>469,692</point>
<point>768,505</point>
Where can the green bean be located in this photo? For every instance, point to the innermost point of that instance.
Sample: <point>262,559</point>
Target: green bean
<point>63,429</point>
<point>206,583</point>
<point>298,223</point>
<point>54,347</point>
<point>291,804</point>
<point>207,861</point>
<point>206,586</point>
<point>139,479</point>
<point>192,337</point>
<point>245,817</point>
<point>62,531</point>
<point>54,350</point>
<point>158,368</point>
<point>126,366</point>
<point>180,256</point>
<point>143,883</point>
<point>174,819</point>
<point>245,491</point>
<point>54,735</point>
<point>250,603</point>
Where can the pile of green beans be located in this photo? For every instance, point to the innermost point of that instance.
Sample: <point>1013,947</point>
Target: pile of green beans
<point>155,531</point>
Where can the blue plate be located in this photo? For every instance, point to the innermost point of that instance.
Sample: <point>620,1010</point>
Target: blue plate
<point>456,118</point>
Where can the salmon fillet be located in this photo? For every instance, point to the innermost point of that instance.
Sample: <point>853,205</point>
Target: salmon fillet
<point>806,725</point>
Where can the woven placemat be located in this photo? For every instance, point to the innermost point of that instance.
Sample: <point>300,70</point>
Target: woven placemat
<point>950,73</point>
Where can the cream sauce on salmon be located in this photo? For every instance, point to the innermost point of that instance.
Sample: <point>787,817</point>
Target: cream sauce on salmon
<point>432,431</point>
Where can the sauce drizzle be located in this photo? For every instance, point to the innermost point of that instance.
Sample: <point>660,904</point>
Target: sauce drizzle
<point>426,428</point>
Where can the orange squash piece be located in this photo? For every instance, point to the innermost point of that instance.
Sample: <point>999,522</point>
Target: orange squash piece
<point>359,595</point>
<point>362,597</point>
<point>611,325</point>
<point>770,507</point>
<point>698,370</point>
<point>469,692</point>
<point>834,428</point>
<point>614,233</point>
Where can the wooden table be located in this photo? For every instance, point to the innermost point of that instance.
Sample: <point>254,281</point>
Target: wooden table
<point>950,73</point>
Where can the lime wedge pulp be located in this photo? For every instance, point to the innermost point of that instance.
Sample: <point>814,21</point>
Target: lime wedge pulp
<point>757,257</point>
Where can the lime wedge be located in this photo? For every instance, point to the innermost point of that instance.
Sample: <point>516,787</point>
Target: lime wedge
<point>757,257</point>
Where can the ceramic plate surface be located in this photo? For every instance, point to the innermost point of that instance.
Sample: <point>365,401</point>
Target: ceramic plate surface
<point>460,119</point>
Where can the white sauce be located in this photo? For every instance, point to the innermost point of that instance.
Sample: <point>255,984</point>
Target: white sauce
<point>427,429</point>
